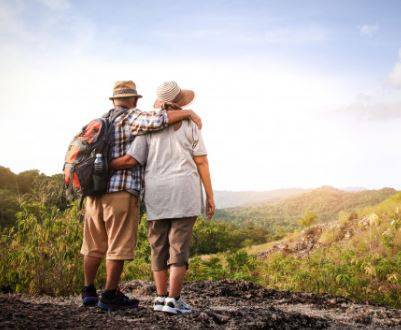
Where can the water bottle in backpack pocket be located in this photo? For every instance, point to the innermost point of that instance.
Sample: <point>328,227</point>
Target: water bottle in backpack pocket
<point>100,177</point>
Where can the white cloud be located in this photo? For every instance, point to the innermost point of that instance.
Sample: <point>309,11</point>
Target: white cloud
<point>395,75</point>
<point>372,110</point>
<point>55,4</point>
<point>11,23</point>
<point>368,30</point>
<point>377,104</point>
<point>300,35</point>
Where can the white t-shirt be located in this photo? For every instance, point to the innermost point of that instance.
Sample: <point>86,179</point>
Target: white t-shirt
<point>172,184</point>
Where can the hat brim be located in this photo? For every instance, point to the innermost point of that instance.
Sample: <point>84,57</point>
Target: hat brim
<point>185,97</point>
<point>124,96</point>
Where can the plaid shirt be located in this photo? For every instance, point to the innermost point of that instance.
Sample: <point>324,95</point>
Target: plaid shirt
<point>128,125</point>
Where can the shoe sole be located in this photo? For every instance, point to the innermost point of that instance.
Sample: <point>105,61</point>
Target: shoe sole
<point>158,308</point>
<point>90,301</point>
<point>104,307</point>
<point>171,310</point>
<point>110,308</point>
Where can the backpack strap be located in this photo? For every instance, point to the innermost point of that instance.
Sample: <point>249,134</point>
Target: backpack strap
<point>108,114</point>
<point>71,183</point>
<point>69,189</point>
<point>113,114</point>
<point>117,113</point>
<point>81,202</point>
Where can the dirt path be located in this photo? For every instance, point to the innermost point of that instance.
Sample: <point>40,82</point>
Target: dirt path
<point>223,305</point>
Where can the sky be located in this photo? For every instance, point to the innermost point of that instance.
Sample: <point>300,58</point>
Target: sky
<point>292,94</point>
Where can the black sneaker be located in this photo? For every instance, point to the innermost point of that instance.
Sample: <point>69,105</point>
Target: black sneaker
<point>89,295</point>
<point>114,299</point>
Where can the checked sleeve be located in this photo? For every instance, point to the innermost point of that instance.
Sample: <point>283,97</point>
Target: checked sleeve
<point>142,122</point>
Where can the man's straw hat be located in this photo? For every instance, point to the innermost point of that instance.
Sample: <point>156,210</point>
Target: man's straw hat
<point>124,89</point>
<point>170,92</point>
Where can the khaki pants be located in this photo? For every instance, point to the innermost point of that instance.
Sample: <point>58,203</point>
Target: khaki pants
<point>111,226</point>
<point>170,240</point>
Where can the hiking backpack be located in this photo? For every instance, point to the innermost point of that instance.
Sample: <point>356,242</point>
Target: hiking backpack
<point>80,179</point>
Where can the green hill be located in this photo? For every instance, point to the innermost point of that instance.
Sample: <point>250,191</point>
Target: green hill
<point>357,256</point>
<point>15,189</point>
<point>226,199</point>
<point>325,202</point>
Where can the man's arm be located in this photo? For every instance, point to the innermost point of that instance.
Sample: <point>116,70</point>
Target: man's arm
<point>143,122</point>
<point>123,162</point>
<point>202,164</point>
<point>137,153</point>
<point>175,116</point>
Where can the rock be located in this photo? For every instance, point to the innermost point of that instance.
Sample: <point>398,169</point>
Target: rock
<point>371,220</point>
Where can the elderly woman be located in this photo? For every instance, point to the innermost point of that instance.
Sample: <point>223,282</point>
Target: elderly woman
<point>176,165</point>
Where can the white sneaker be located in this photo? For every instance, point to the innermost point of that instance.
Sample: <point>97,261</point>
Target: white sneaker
<point>158,303</point>
<point>174,306</point>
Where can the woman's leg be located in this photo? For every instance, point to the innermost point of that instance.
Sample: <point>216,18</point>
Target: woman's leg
<point>179,239</point>
<point>160,278</point>
<point>158,231</point>
<point>177,275</point>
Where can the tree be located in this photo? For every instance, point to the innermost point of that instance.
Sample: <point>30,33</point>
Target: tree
<point>7,179</point>
<point>308,219</point>
<point>25,181</point>
<point>9,206</point>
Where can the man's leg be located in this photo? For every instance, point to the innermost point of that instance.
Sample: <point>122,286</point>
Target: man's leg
<point>89,294</point>
<point>121,218</point>
<point>114,268</point>
<point>91,265</point>
<point>94,247</point>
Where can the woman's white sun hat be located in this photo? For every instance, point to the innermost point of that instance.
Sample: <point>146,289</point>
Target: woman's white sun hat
<point>170,92</point>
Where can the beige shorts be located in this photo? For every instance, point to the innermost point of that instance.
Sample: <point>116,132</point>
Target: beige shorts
<point>111,225</point>
<point>170,240</point>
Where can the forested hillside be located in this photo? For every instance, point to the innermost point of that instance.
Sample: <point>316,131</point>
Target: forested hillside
<point>357,256</point>
<point>225,199</point>
<point>17,189</point>
<point>324,202</point>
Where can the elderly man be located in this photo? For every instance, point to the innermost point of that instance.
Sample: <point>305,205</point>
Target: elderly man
<point>111,220</point>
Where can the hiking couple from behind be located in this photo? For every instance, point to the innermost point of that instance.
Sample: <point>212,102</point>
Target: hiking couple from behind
<point>160,155</point>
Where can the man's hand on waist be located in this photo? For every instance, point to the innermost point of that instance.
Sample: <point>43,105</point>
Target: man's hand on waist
<point>196,119</point>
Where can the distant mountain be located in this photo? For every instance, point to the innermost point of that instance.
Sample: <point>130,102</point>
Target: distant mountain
<point>325,202</point>
<point>354,188</point>
<point>226,199</point>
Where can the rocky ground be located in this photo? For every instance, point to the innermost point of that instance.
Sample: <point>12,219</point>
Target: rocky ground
<point>221,305</point>
<point>309,239</point>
